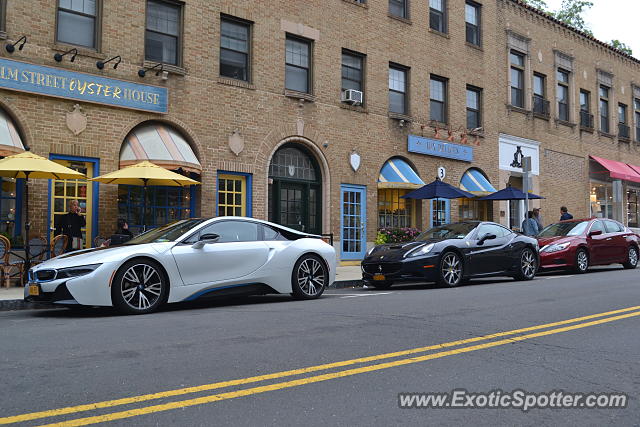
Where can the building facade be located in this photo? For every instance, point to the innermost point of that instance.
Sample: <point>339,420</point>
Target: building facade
<point>316,116</point>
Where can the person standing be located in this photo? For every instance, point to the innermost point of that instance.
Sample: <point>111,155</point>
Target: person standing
<point>538,217</point>
<point>70,225</point>
<point>564,214</point>
<point>530,225</point>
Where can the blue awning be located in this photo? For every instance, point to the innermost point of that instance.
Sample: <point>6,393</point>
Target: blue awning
<point>474,182</point>
<point>397,173</point>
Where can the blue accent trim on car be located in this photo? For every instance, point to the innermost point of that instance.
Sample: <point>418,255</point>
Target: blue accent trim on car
<point>209,290</point>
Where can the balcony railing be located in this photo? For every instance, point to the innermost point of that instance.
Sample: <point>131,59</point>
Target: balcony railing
<point>623,131</point>
<point>586,120</point>
<point>540,106</point>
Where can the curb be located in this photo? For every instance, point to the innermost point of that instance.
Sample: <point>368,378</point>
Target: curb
<point>346,284</point>
<point>18,304</point>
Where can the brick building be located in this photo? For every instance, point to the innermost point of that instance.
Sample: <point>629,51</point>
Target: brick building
<point>257,101</point>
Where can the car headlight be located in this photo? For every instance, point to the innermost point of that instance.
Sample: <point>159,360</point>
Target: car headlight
<point>72,272</point>
<point>420,250</point>
<point>555,247</point>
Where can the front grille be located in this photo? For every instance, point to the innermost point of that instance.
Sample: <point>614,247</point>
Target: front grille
<point>45,275</point>
<point>382,268</point>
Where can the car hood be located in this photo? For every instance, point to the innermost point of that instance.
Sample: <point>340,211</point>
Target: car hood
<point>103,255</point>
<point>543,241</point>
<point>395,251</point>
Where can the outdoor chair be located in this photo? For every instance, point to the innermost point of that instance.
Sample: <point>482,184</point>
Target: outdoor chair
<point>38,249</point>
<point>9,268</point>
<point>98,241</point>
<point>58,245</point>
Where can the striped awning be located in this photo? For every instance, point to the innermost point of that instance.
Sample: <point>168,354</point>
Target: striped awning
<point>161,145</point>
<point>10,141</point>
<point>474,182</point>
<point>396,173</point>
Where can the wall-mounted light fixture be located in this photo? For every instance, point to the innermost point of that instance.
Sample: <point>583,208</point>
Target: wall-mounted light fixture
<point>100,64</point>
<point>58,56</point>
<point>143,71</point>
<point>11,47</point>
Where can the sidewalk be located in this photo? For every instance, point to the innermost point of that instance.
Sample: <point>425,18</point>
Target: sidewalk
<point>346,277</point>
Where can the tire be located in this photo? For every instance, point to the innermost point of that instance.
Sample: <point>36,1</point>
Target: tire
<point>632,258</point>
<point>450,270</point>
<point>582,261</point>
<point>528,265</point>
<point>380,285</point>
<point>129,296</point>
<point>309,277</point>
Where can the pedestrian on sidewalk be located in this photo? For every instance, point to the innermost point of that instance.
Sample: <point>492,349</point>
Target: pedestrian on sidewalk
<point>530,225</point>
<point>538,217</point>
<point>70,225</point>
<point>564,214</point>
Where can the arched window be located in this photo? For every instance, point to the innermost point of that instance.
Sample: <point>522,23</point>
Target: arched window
<point>475,182</point>
<point>397,178</point>
<point>295,188</point>
<point>10,143</point>
<point>166,146</point>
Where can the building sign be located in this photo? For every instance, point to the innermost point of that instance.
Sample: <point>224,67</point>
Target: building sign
<point>439,148</point>
<point>50,81</point>
<point>514,149</point>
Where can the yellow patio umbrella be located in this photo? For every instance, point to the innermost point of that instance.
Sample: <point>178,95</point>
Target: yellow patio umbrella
<point>29,165</point>
<point>144,174</point>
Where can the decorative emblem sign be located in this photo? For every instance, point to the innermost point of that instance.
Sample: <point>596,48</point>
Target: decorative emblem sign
<point>442,173</point>
<point>76,120</point>
<point>517,158</point>
<point>354,160</point>
<point>236,142</point>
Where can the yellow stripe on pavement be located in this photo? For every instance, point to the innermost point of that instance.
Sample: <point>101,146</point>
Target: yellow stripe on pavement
<point>276,375</point>
<point>319,378</point>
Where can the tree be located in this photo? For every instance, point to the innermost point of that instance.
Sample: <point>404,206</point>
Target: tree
<point>538,4</point>
<point>571,12</point>
<point>617,44</point>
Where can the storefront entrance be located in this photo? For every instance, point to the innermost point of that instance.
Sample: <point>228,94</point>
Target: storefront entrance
<point>353,221</point>
<point>65,190</point>
<point>295,190</point>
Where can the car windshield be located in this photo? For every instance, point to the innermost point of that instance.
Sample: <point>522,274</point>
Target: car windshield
<point>166,233</point>
<point>449,231</point>
<point>564,229</point>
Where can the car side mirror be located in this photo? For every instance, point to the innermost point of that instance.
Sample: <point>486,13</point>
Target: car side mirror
<point>206,239</point>
<point>595,233</point>
<point>486,237</point>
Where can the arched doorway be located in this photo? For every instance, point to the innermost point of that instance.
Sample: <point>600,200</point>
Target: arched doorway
<point>165,146</point>
<point>295,189</point>
<point>11,142</point>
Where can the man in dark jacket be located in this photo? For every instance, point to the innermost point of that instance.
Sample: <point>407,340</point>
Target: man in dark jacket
<point>564,214</point>
<point>70,224</point>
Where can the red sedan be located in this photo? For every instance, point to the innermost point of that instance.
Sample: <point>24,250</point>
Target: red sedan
<point>577,244</point>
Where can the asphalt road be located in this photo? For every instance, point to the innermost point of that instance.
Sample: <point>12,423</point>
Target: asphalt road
<point>179,366</point>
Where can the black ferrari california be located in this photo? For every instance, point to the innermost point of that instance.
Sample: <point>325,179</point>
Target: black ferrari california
<point>451,254</point>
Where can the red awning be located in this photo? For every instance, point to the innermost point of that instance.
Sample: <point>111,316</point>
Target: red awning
<point>618,170</point>
<point>635,168</point>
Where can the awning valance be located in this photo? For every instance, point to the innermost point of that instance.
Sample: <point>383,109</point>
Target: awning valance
<point>161,145</point>
<point>618,170</point>
<point>474,182</point>
<point>10,141</point>
<point>396,173</point>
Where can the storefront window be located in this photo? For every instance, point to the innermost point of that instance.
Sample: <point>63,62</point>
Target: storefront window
<point>633,207</point>
<point>8,207</point>
<point>232,195</point>
<point>439,212</point>
<point>394,211</point>
<point>163,205</point>
<point>601,200</point>
<point>474,210</point>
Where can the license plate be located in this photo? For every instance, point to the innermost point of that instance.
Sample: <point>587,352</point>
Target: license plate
<point>378,277</point>
<point>34,290</point>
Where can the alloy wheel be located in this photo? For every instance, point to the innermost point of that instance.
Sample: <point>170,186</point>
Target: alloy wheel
<point>311,277</point>
<point>583,260</point>
<point>633,257</point>
<point>451,269</point>
<point>528,264</point>
<point>141,286</point>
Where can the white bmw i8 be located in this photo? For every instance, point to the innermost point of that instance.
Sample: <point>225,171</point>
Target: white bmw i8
<point>186,260</point>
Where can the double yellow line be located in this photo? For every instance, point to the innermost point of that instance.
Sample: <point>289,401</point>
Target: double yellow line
<point>515,335</point>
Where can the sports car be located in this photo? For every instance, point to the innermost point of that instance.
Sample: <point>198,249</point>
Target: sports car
<point>577,244</point>
<point>186,260</point>
<point>451,254</point>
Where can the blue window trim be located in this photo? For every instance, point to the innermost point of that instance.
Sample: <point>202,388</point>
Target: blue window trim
<point>95,188</point>
<point>17,220</point>
<point>447,205</point>
<point>363,215</point>
<point>249,178</point>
